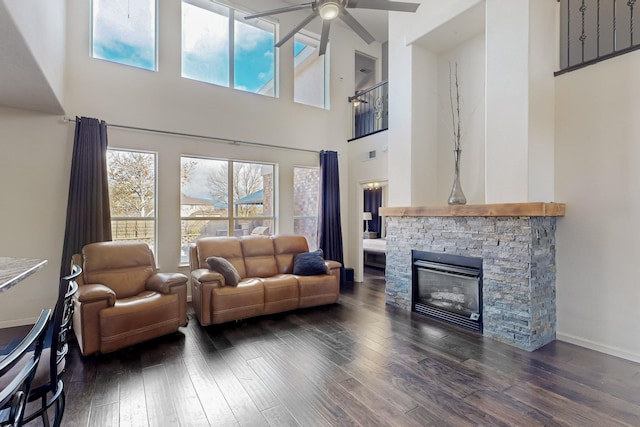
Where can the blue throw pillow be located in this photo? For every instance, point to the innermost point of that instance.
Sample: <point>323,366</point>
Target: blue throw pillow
<point>309,263</point>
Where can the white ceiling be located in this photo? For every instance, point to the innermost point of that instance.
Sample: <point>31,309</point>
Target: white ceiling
<point>375,21</point>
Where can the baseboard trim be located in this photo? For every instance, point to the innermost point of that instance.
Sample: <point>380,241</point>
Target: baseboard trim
<point>18,322</point>
<point>613,351</point>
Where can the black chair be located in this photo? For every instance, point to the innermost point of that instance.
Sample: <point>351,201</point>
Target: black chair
<point>17,371</point>
<point>47,386</point>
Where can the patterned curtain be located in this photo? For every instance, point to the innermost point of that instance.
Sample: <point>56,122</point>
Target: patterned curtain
<point>88,215</point>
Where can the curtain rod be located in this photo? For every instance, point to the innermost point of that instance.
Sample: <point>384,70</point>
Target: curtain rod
<point>192,135</point>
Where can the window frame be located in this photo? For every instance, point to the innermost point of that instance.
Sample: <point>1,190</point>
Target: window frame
<point>154,218</point>
<point>210,5</point>
<point>155,39</point>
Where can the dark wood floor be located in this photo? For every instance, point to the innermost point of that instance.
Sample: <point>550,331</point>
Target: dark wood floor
<point>357,363</point>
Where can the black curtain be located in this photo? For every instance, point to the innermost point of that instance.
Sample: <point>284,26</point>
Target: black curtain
<point>329,224</point>
<point>88,215</point>
<point>372,202</point>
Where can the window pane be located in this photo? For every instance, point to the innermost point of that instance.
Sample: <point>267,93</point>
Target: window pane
<point>252,190</point>
<point>205,43</point>
<point>309,67</point>
<point>124,31</point>
<point>194,229</point>
<point>204,188</point>
<point>132,195</point>
<point>305,204</point>
<point>254,63</point>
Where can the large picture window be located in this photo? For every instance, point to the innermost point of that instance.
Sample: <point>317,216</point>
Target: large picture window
<point>132,195</point>
<point>124,31</point>
<point>309,82</point>
<point>220,47</point>
<point>305,203</point>
<point>224,197</point>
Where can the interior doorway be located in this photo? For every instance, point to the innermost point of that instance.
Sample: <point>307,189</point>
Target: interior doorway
<point>365,71</point>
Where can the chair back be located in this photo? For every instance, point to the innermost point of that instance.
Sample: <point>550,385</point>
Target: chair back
<point>61,324</point>
<point>21,364</point>
<point>124,267</point>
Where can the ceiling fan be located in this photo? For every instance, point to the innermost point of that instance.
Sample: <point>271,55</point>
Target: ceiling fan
<point>329,10</point>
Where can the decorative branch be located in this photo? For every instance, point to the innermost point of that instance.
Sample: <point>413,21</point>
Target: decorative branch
<point>455,108</point>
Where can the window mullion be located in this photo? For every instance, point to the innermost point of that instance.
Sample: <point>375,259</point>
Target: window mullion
<point>232,214</point>
<point>232,43</point>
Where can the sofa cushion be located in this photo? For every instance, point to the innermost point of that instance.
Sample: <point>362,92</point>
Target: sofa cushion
<point>309,263</point>
<point>285,247</point>
<point>224,247</point>
<point>224,267</point>
<point>259,258</point>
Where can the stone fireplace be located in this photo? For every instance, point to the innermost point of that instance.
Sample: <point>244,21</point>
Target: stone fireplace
<point>516,243</point>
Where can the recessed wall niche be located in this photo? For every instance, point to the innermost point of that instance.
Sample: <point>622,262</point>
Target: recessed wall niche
<point>461,41</point>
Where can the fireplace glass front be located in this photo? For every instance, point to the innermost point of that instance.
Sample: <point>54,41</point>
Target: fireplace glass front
<point>449,288</point>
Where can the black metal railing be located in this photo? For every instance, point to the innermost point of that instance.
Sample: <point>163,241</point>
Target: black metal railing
<point>594,30</point>
<point>370,110</point>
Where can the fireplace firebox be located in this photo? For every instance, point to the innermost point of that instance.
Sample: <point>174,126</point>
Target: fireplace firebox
<point>448,288</point>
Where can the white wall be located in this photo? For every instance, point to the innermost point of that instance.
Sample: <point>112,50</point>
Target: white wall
<point>363,170</point>
<point>43,29</point>
<point>597,173</point>
<point>34,172</point>
<point>38,147</point>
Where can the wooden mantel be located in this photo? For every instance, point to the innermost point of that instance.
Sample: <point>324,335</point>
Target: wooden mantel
<point>502,209</point>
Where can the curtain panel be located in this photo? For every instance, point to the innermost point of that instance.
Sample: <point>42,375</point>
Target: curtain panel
<point>88,213</point>
<point>329,223</point>
<point>372,202</point>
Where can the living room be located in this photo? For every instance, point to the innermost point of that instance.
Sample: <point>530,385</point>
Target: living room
<point>533,137</point>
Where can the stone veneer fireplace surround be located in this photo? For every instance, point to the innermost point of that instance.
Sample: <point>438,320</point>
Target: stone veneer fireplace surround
<point>517,245</point>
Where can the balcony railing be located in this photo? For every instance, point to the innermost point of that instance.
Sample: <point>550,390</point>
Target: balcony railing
<point>595,30</point>
<point>370,110</point>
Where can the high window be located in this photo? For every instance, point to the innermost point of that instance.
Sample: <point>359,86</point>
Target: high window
<point>220,47</point>
<point>309,85</point>
<point>224,197</point>
<point>132,195</point>
<point>124,31</point>
<point>305,203</point>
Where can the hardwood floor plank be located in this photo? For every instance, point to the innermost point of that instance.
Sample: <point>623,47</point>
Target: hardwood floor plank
<point>571,412</point>
<point>213,402</point>
<point>186,403</point>
<point>244,410</point>
<point>260,394</point>
<point>133,404</point>
<point>278,416</point>
<point>160,407</point>
<point>105,415</point>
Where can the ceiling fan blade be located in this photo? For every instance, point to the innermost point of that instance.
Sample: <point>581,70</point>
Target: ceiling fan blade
<point>298,27</point>
<point>355,26</point>
<point>397,6</point>
<point>324,39</point>
<point>280,10</point>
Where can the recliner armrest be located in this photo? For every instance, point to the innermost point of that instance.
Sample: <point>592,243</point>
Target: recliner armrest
<point>204,275</point>
<point>95,292</point>
<point>163,282</point>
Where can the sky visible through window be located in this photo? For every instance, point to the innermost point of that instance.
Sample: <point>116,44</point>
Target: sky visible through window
<point>124,31</point>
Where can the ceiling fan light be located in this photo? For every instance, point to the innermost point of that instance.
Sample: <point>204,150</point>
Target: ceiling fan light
<point>329,10</point>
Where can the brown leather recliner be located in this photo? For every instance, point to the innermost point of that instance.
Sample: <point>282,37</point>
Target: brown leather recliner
<point>122,299</point>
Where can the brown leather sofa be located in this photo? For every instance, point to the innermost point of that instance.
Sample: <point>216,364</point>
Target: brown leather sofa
<point>122,299</point>
<point>267,285</point>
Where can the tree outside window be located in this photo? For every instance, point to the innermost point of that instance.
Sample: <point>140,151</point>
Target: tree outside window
<point>132,195</point>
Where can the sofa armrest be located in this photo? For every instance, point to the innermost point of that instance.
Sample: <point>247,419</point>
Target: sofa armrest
<point>166,282</point>
<point>332,265</point>
<point>94,293</point>
<point>203,275</point>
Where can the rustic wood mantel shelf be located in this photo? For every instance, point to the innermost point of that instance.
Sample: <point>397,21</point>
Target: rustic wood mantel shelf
<point>502,209</point>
